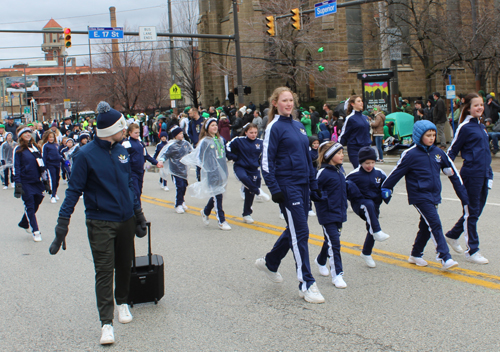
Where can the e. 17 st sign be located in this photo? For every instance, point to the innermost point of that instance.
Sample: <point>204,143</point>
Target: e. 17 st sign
<point>325,8</point>
<point>105,33</point>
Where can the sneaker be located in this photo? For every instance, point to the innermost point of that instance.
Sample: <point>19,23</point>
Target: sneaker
<point>265,197</point>
<point>161,184</point>
<point>124,315</point>
<point>476,258</point>
<point>12,185</point>
<point>454,245</point>
<point>271,275</point>
<point>166,189</point>
<point>179,209</point>
<point>450,263</point>
<point>323,270</point>
<point>65,182</point>
<point>57,197</point>
<point>242,192</point>
<point>380,236</point>
<point>312,295</point>
<point>107,335</point>
<point>37,237</point>
<point>368,260</point>
<point>224,226</point>
<point>248,219</point>
<point>418,261</point>
<point>204,217</point>
<point>311,213</point>
<point>5,187</point>
<point>184,206</point>
<point>53,200</point>
<point>339,282</point>
<point>282,217</point>
<point>259,199</point>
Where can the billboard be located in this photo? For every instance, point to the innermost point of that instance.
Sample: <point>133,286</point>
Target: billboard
<point>377,93</point>
<point>16,84</point>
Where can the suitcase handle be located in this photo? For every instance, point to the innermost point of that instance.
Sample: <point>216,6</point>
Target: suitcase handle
<point>150,254</point>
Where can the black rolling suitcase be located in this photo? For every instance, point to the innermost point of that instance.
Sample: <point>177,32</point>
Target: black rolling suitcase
<point>147,280</point>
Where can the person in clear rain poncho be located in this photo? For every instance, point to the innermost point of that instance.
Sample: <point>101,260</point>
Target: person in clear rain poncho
<point>6,159</point>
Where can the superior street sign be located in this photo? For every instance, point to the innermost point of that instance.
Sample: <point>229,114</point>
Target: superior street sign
<point>325,8</point>
<point>105,32</point>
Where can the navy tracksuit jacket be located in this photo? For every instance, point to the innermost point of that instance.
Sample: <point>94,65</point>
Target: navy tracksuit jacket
<point>287,168</point>
<point>471,140</point>
<point>355,134</point>
<point>194,129</point>
<point>158,149</point>
<point>246,155</point>
<point>52,160</point>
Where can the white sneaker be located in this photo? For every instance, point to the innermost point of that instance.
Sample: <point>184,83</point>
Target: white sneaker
<point>5,187</point>
<point>124,315</point>
<point>224,226</point>
<point>65,182</point>
<point>248,219</point>
<point>368,260</point>
<point>264,195</point>
<point>259,199</point>
<point>53,200</point>
<point>179,209</point>
<point>454,245</point>
<point>339,282</point>
<point>323,269</point>
<point>311,213</point>
<point>37,237</point>
<point>204,217</point>
<point>161,184</point>
<point>380,236</point>
<point>282,217</point>
<point>242,192</point>
<point>271,275</point>
<point>312,295</point>
<point>418,261</point>
<point>57,197</point>
<point>107,335</point>
<point>476,258</point>
<point>184,206</point>
<point>450,263</point>
<point>166,189</point>
<point>12,185</point>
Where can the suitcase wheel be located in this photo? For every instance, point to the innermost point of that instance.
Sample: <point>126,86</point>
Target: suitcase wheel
<point>156,301</point>
<point>131,304</point>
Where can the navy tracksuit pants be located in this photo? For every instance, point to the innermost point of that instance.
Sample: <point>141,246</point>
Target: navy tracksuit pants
<point>6,176</point>
<point>430,226</point>
<point>137,180</point>
<point>331,248</point>
<point>477,190</point>
<point>215,202</point>
<point>352,152</point>
<point>54,172</point>
<point>251,180</point>
<point>295,237</point>
<point>32,198</point>
<point>369,212</point>
<point>163,182</point>
<point>180,185</point>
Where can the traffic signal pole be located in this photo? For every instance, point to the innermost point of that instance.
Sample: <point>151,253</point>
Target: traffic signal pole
<point>239,72</point>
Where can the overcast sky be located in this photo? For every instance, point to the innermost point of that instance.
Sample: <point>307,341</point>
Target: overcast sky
<point>77,15</point>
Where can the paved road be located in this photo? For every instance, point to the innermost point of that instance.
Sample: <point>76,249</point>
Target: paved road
<point>215,300</point>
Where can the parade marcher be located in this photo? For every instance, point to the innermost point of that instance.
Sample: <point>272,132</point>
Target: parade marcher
<point>28,172</point>
<point>52,160</point>
<point>368,180</point>
<point>378,131</point>
<point>138,156</point>
<point>159,147</point>
<point>421,166</point>
<point>356,130</point>
<point>246,152</point>
<point>7,159</point>
<point>170,155</point>
<point>290,176</point>
<point>102,173</point>
<point>313,151</point>
<point>195,125</point>
<point>66,163</point>
<point>11,127</point>
<point>471,141</point>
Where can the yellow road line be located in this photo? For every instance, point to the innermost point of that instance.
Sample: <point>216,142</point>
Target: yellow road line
<point>458,274</point>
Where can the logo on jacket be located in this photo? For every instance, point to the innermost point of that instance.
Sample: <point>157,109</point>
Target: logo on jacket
<point>438,158</point>
<point>257,145</point>
<point>123,159</point>
<point>296,203</point>
<point>303,131</point>
<point>378,179</point>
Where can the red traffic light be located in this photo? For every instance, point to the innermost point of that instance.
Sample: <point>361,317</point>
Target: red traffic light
<point>67,37</point>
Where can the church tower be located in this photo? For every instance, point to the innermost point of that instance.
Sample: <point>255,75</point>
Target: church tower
<point>53,43</point>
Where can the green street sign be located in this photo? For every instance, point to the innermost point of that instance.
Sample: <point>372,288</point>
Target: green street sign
<point>27,110</point>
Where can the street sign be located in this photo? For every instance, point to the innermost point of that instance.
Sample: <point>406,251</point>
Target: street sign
<point>394,42</point>
<point>450,92</point>
<point>172,104</point>
<point>26,109</point>
<point>67,103</point>
<point>175,92</point>
<point>147,34</point>
<point>325,8</point>
<point>105,32</point>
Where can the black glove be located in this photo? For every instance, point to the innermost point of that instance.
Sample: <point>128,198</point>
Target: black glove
<point>61,232</point>
<point>46,183</point>
<point>140,224</point>
<point>18,191</point>
<point>316,195</point>
<point>278,197</point>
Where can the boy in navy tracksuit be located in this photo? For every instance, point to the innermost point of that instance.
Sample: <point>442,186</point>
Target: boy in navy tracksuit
<point>159,147</point>
<point>66,159</point>
<point>52,160</point>
<point>355,134</point>
<point>421,165</point>
<point>246,152</point>
<point>368,180</point>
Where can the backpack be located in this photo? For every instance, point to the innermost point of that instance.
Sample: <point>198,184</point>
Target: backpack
<point>335,136</point>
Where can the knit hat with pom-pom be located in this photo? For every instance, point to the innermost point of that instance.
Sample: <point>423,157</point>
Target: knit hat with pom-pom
<point>109,121</point>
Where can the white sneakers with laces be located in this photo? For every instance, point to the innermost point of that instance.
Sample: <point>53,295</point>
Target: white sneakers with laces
<point>450,263</point>
<point>264,196</point>
<point>184,206</point>
<point>248,219</point>
<point>53,200</point>
<point>271,275</point>
<point>124,315</point>
<point>368,260</point>
<point>5,187</point>
<point>476,258</point>
<point>339,282</point>
<point>454,245</point>
<point>166,189</point>
<point>204,218</point>
<point>179,209</point>
<point>107,334</point>
<point>418,261</point>
<point>57,197</point>
<point>37,237</point>
<point>311,213</point>
<point>380,236</point>
<point>323,269</point>
<point>224,226</point>
<point>312,295</point>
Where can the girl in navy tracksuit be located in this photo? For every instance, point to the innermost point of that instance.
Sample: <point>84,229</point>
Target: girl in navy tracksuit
<point>28,166</point>
<point>138,156</point>
<point>52,160</point>
<point>66,158</point>
<point>246,152</point>
<point>356,130</point>
<point>313,151</point>
<point>290,176</point>
<point>421,166</point>
<point>60,147</point>
<point>471,140</point>
<point>368,179</point>
<point>159,147</point>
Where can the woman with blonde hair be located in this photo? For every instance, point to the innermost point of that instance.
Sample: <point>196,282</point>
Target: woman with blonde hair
<point>378,131</point>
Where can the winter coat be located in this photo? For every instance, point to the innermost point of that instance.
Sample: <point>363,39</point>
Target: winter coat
<point>378,124</point>
<point>225,129</point>
<point>439,112</point>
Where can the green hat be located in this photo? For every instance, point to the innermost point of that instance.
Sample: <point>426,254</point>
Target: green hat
<point>187,108</point>
<point>205,115</point>
<point>2,126</point>
<point>219,108</point>
<point>306,113</point>
<point>29,125</point>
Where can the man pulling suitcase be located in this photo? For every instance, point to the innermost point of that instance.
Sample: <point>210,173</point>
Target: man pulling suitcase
<point>101,171</point>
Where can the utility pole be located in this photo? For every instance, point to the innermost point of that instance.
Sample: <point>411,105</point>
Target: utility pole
<point>477,76</point>
<point>172,62</point>
<point>239,73</point>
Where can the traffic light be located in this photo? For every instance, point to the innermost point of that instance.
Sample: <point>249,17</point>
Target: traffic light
<point>271,25</point>
<point>67,38</point>
<point>296,19</point>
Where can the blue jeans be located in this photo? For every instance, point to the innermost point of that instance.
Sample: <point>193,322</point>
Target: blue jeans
<point>379,140</point>
<point>494,138</point>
